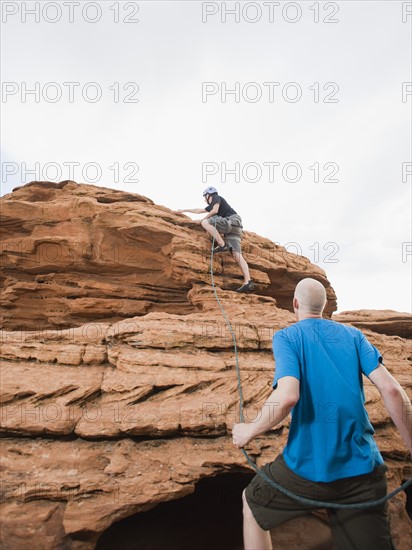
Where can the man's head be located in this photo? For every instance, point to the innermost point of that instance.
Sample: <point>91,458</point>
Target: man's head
<point>209,192</point>
<point>309,299</point>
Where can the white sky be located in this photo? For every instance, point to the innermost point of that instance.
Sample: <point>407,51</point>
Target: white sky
<point>170,131</point>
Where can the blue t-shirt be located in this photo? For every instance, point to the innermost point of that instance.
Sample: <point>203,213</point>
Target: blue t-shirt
<point>330,435</point>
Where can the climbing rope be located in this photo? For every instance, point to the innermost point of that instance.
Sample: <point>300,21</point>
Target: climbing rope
<point>317,503</point>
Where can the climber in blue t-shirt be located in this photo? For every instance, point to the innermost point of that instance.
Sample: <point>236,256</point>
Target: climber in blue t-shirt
<point>327,358</point>
<point>330,454</point>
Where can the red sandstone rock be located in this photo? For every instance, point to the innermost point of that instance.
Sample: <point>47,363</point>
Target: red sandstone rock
<point>74,253</point>
<point>385,321</point>
<point>127,394</point>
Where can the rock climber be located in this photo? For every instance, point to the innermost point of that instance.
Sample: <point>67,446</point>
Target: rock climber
<point>330,453</point>
<point>229,224</point>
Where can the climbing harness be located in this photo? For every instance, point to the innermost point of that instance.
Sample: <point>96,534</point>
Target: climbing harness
<point>317,503</point>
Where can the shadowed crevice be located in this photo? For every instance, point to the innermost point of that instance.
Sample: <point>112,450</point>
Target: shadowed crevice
<point>209,518</point>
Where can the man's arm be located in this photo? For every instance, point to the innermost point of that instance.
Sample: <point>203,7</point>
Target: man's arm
<point>396,401</point>
<point>213,212</point>
<point>192,210</point>
<point>275,409</point>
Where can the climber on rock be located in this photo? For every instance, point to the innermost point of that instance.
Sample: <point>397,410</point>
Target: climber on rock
<point>330,455</point>
<point>229,224</point>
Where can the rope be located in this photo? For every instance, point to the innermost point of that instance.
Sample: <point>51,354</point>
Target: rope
<point>303,500</point>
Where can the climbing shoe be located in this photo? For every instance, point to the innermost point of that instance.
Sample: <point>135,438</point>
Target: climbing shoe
<point>247,287</point>
<point>224,248</point>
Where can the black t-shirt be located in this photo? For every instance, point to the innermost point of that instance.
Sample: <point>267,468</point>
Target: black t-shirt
<point>225,210</point>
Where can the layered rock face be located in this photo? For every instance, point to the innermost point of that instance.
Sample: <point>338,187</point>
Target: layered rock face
<point>77,253</point>
<point>118,376</point>
<point>386,321</point>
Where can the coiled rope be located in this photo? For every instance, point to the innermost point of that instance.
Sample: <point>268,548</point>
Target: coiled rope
<point>317,503</point>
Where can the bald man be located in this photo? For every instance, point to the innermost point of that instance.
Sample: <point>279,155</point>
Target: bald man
<point>330,454</point>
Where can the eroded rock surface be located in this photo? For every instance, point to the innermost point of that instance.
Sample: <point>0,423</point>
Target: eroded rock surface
<point>385,321</point>
<point>118,377</point>
<point>73,253</point>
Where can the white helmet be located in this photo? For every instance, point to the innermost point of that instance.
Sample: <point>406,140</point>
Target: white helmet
<point>209,191</point>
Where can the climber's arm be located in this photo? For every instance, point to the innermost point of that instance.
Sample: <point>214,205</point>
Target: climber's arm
<point>275,409</point>
<point>213,212</point>
<point>191,210</point>
<point>396,402</point>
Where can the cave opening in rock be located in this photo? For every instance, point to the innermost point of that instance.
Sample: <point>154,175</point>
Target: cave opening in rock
<point>408,506</point>
<point>211,517</point>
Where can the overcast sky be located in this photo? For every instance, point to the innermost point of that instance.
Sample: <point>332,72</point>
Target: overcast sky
<point>298,112</point>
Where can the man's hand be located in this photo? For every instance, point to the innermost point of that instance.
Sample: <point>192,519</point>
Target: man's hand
<point>242,434</point>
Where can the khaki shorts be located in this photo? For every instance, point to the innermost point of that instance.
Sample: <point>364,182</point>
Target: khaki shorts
<point>231,228</point>
<point>357,529</point>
